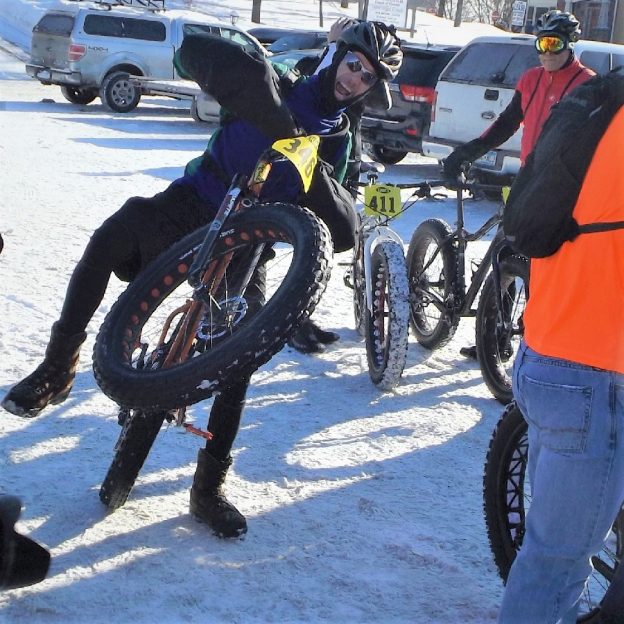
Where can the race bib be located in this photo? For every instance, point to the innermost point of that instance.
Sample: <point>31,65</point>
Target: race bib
<point>302,153</point>
<point>382,200</point>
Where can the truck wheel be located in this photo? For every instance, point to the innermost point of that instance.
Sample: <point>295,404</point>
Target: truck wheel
<point>79,96</point>
<point>118,93</point>
<point>387,155</point>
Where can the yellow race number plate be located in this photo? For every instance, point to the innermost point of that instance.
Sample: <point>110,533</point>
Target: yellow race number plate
<point>382,200</point>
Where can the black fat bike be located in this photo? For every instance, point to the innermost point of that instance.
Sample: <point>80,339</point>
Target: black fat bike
<point>440,296</point>
<point>507,496</point>
<point>214,307</point>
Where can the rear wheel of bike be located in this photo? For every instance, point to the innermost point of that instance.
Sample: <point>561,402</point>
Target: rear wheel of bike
<point>432,272</point>
<point>497,343</point>
<point>387,326</point>
<point>226,333</point>
<point>506,498</point>
<point>138,432</point>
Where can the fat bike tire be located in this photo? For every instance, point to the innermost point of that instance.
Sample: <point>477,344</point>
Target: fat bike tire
<point>387,324</point>
<point>237,335</point>
<point>506,498</point>
<point>138,433</point>
<point>496,347</point>
<point>359,287</point>
<point>432,280</point>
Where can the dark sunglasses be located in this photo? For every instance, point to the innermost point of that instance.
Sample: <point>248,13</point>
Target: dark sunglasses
<point>355,65</point>
<point>550,43</point>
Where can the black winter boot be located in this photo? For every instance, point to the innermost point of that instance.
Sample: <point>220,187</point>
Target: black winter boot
<point>310,338</point>
<point>208,503</point>
<point>52,380</point>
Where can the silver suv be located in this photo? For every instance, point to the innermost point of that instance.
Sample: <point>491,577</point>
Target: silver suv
<point>94,50</point>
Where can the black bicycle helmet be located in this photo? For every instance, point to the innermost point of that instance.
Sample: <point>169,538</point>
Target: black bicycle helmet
<point>378,43</point>
<point>558,23</point>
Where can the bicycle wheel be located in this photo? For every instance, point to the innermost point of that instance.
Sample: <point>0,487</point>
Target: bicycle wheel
<point>359,286</point>
<point>496,343</point>
<point>432,273</point>
<point>506,498</point>
<point>231,333</point>
<point>387,325</point>
<point>138,432</point>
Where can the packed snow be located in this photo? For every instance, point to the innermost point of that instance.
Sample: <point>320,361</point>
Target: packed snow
<point>363,506</point>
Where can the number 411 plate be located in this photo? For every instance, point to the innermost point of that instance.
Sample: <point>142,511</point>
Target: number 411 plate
<point>382,200</point>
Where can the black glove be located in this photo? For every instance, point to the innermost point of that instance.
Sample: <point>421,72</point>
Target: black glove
<point>466,153</point>
<point>23,561</point>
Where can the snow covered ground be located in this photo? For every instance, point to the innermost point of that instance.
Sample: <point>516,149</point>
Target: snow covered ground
<point>363,506</point>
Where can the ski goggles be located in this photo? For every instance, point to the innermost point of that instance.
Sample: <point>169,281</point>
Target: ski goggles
<point>550,43</point>
<point>355,65</point>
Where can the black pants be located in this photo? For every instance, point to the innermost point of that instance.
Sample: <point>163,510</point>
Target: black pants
<point>125,244</point>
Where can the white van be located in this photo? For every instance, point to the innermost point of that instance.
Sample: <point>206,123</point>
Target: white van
<point>478,84</point>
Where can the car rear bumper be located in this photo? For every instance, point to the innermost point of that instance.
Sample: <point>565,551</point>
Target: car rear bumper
<point>47,75</point>
<point>399,135</point>
<point>498,161</point>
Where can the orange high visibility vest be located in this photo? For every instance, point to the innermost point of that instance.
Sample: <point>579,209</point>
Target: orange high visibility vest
<point>576,305</point>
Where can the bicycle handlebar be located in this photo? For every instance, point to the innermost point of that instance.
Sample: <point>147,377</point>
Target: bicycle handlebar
<point>454,186</point>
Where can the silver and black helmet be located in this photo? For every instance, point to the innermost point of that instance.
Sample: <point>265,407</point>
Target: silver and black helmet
<point>378,43</point>
<point>558,23</point>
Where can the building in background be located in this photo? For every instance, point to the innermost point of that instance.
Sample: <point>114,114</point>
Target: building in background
<point>601,20</point>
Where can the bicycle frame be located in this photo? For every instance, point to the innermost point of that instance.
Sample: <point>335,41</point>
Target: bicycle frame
<point>462,305</point>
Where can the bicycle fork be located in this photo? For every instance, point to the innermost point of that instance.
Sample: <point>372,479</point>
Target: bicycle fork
<point>381,233</point>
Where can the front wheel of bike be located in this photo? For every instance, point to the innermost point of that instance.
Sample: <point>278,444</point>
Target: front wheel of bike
<point>359,284</point>
<point>498,336</point>
<point>138,433</point>
<point>507,497</point>
<point>432,271</point>
<point>226,330</point>
<point>387,324</point>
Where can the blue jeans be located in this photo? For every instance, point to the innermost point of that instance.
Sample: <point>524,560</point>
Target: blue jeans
<point>576,470</point>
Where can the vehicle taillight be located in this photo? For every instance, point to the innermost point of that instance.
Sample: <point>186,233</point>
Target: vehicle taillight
<point>413,93</point>
<point>76,52</point>
<point>433,105</point>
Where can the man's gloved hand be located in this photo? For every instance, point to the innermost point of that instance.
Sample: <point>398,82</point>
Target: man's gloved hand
<point>466,153</point>
<point>310,338</point>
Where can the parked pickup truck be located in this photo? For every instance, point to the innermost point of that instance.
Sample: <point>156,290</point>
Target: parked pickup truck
<point>95,49</point>
<point>209,108</point>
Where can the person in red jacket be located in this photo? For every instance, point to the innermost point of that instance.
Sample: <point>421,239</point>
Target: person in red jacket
<point>537,91</point>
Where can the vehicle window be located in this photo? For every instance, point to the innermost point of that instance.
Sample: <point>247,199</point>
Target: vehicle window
<point>598,61</point>
<point>238,37</point>
<point>493,65</point>
<point>148,30</point>
<point>103,26</point>
<point>422,67</point>
<point>129,28</point>
<point>297,42</point>
<point>192,29</point>
<point>55,24</point>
